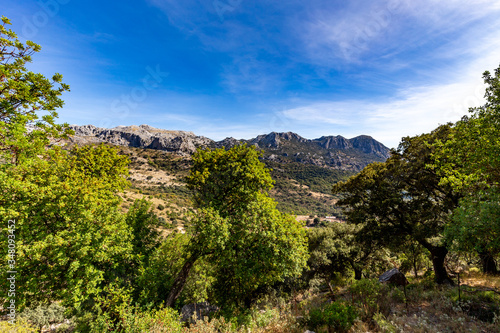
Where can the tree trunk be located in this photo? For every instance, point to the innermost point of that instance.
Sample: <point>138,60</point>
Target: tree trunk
<point>357,273</point>
<point>180,281</point>
<point>488,263</point>
<point>415,266</point>
<point>438,254</point>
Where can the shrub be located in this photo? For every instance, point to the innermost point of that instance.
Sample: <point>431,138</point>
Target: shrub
<point>44,315</point>
<point>474,270</point>
<point>19,326</point>
<point>366,293</point>
<point>383,324</point>
<point>136,321</point>
<point>336,316</point>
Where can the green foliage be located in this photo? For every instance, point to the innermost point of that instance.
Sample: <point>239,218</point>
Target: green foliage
<point>44,315</point>
<point>337,316</point>
<point>403,197</point>
<point>412,256</point>
<point>144,223</point>
<point>19,326</point>
<point>135,320</point>
<point>383,324</point>
<point>472,156</point>
<point>265,246</point>
<point>366,293</point>
<point>228,180</point>
<point>334,249</point>
<point>476,224</point>
<point>68,223</point>
<point>238,229</point>
<point>157,277</point>
<point>24,96</point>
<point>470,162</point>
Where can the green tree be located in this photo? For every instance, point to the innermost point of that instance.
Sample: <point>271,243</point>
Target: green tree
<point>335,249</point>
<point>238,228</point>
<point>27,101</point>
<point>475,228</point>
<point>403,197</point>
<point>144,226</point>
<point>71,237</point>
<point>73,243</point>
<point>412,255</point>
<point>471,157</point>
<point>470,162</point>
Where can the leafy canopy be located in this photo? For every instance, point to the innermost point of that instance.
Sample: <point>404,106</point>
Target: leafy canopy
<point>238,229</point>
<point>403,197</point>
<point>27,99</point>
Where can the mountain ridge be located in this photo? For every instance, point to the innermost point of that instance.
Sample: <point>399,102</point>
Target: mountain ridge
<point>335,152</point>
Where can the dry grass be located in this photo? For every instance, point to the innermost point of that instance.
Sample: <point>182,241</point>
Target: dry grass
<point>482,280</point>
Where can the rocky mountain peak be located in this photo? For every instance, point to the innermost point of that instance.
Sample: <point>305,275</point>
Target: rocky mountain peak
<point>143,136</point>
<point>369,145</point>
<point>328,151</point>
<point>275,140</point>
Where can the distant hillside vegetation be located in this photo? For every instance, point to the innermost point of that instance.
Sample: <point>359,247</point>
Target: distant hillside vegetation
<point>334,152</point>
<point>304,170</point>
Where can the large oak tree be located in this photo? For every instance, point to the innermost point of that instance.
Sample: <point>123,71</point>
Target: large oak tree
<point>403,197</point>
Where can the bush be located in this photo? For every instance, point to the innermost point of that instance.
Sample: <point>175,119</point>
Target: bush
<point>136,321</point>
<point>383,324</point>
<point>366,293</point>
<point>336,316</point>
<point>44,315</point>
<point>20,326</point>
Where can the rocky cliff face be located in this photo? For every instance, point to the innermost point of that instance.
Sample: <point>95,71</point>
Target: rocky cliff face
<point>329,151</point>
<point>143,136</point>
<point>363,143</point>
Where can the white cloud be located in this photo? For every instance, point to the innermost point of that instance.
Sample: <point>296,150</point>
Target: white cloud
<point>386,28</point>
<point>410,111</point>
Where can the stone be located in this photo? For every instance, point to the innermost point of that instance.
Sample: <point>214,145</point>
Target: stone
<point>334,152</point>
<point>197,310</point>
<point>393,276</point>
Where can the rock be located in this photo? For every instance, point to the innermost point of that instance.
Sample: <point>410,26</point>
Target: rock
<point>334,142</point>
<point>143,136</point>
<point>334,152</point>
<point>200,309</point>
<point>369,145</point>
<point>393,276</point>
<point>308,331</point>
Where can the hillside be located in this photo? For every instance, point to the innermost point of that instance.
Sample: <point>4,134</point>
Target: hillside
<point>304,170</point>
<point>334,152</point>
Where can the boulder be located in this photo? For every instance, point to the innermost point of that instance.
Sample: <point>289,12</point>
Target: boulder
<point>201,310</point>
<point>393,276</point>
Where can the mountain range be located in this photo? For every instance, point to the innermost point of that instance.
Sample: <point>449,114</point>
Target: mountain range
<point>334,152</point>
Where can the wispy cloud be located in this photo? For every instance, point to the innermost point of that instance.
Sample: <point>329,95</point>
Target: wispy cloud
<point>387,68</point>
<point>410,111</point>
<point>360,31</point>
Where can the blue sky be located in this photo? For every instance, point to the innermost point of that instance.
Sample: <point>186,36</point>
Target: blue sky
<point>241,68</point>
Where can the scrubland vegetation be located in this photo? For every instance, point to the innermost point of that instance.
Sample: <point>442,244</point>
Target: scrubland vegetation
<point>92,249</point>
